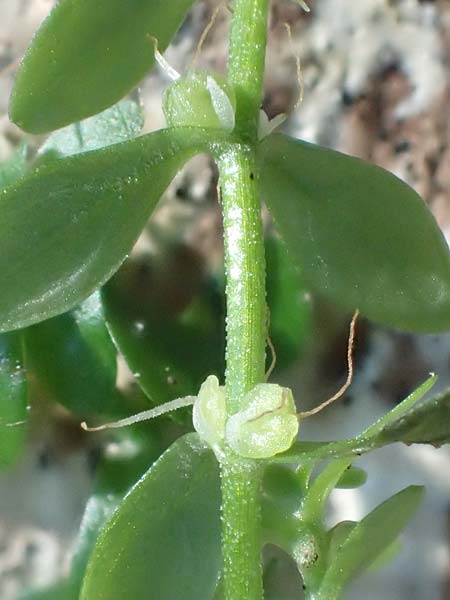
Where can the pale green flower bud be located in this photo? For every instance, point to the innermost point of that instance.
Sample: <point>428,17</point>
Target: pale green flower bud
<point>209,412</point>
<point>200,99</point>
<point>267,425</point>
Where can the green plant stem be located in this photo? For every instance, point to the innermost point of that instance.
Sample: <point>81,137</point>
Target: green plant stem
<point>246,338</point>
<point>241,529</point>
<point>245,270</point>
<point>246,297</point>
<point>246,62</point>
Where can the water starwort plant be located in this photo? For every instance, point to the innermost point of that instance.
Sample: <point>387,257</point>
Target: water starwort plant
<point>195,523</point>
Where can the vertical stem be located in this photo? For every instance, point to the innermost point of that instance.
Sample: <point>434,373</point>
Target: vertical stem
<point>241,529</point>
<point>245,270</point>
<point>246,334</point>
<point>246,62</point>
<point>245,290</point>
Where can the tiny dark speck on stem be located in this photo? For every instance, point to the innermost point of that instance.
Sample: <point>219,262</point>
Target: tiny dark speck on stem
<point>252,177</point>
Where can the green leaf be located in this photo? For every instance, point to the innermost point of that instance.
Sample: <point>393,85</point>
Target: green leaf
<point>121,122</point>
<point>290,312</point>
<point>401,409</point>
<point>13,397</point>
<point>392,427</point>
<point>337,536</point>
<point>388,555</point>
<point>171,348</point>
<point>13,378</point>
<point>164,539</point>
<point>72,358</point>
<point>352,478</point>
<point>368,539</point>
<point>282,486</point>
<point>88,55</point>
<point>360,236</point>
<point>313,505</point>
<point>116,473</point>
<point>115,476</point>
<point>426,423</point>
<point>14,167</point>
<point>66,227</point>
<point>411,421</point>
<point>301,452</point>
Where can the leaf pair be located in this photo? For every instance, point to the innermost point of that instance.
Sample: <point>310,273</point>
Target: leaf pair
<point>187,476</point>
<point>166,533</point>
<point>359,235</point>
<point>340,219</point>
<point>352,547</point>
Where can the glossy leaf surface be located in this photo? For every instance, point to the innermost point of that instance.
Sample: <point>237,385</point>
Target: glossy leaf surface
<point>72,358</point>
<point>290,312</point>
<point>67,226</point>
<point>360,236</point>
<point>135,449</point>
<point>86,56</point>
<point>164,538</point>
<point>388,555</point>
<point>313,505</point>
<point>13,377</point>
<point>413,421</point>
<point>14,167</point>
<point>353,478</point>
<point>282,486</point>
<point>13,397</point>
<point>426,423</point>
<point>168,324</point>
<point>116,473</point>
<point>368,538</point>
<point>119,123</point>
